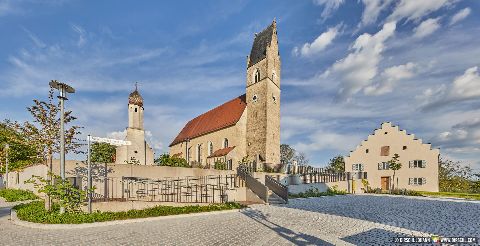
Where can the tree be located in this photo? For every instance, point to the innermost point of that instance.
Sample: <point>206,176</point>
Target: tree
<point>301,159</point>
<point>395,165</point>
<point>20,154</point>
<point>337,164</point>
<point>44,133</point>
<point>287,154</point>
<point>171,161</point>
<point>453,176</point>
<point>103,152</point>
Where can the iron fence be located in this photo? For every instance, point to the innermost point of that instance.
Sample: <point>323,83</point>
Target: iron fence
<point>203,189</point>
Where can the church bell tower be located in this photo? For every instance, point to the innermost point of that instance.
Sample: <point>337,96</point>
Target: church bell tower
<point>263,98</point>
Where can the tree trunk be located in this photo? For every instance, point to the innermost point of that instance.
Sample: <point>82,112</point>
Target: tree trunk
<point>48,201</point>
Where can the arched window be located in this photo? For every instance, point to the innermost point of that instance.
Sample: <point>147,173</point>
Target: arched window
<point>189,154</point>
<point>225,143</point>
<point>257,75</point>
<point>210,148</point>
<point>199,153</point>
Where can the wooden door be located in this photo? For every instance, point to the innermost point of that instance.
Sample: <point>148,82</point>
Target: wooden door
<point>385,183</point>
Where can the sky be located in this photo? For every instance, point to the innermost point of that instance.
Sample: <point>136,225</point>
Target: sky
<point>347,66</point>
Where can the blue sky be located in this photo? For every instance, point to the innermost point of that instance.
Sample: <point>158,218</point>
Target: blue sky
<point>347,66</point>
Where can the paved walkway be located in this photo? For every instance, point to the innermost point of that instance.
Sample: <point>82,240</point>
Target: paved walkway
<point>340,220</point>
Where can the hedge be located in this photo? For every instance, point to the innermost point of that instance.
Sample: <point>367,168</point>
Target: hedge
<point>35,212</point>
<point>14,195</point>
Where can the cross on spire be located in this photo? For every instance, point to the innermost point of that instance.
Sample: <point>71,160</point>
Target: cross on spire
<point>136,86</point>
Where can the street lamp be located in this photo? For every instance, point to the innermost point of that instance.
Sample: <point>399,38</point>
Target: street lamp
<point>6,164</point>
<point>63,89</point>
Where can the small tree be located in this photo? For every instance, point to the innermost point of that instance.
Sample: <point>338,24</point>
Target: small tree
<point>301,159</point>
<point>395,165</point>
<point>61,191</point>
<point>287,154</point>
<point>337,164</point>
<point>103,152</point>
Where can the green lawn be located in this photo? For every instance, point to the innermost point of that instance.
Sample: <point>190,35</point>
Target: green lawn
<point>475,196</point>
<point>35,212</point>
<point>14,195</point>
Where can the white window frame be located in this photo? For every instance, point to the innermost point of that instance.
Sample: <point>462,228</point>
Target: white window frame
<point>418,164</point>
<point>417,181</point>
<point>358,167</point>
<point>383,166</point>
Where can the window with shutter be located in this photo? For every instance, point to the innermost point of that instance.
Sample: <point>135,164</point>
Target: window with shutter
<point>385,151</point>
<point>410,181</point>
<point>410,164</point>
<point>380,166</point>
<point>424,181</point>
<point>424,163</point>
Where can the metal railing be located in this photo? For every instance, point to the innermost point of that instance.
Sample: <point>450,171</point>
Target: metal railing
<point>202,189</point>
<point>251,183</point>
<point>277,188</point>
<point>310,178</point>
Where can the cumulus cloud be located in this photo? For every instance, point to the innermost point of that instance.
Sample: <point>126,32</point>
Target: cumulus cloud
<point>389,77</point>
<point>462,137</point>
<point>460,15</point>
<point>120,135</point>
<point>372,9</point>
<point>330,6</point>
<point>463,87</point>
<point>318,45</point>
<point>415,10</point>
<point>426,28</point>
<point>357,70</point>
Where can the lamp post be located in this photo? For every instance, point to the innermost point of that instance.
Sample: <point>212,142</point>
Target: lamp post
<point>6,164</point>
<point>63,89</point>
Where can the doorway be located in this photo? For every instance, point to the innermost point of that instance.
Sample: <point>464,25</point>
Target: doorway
<point>385,181</point>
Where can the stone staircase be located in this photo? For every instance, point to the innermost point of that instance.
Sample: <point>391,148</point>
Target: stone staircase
<point>274,198</point>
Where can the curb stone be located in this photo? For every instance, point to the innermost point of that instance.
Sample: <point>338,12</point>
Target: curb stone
<point>15,220</point>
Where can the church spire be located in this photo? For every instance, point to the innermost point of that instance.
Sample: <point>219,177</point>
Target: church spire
<point>135,97</point>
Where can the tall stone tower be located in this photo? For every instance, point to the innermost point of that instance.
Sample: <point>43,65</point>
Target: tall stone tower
<point>263,98</point>
<point>139,152</point>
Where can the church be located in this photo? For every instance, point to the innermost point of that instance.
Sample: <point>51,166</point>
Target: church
<point>139,152</point>
<point>246,126</point>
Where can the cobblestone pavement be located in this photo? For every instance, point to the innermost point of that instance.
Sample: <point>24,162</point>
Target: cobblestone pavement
<point>340,220</point>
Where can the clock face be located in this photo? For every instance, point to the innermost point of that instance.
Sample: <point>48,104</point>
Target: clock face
<point>255,98</point>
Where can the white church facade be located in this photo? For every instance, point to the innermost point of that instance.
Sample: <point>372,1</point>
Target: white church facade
<point>139,152</point>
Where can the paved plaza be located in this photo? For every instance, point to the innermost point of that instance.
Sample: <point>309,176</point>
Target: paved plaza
<point>339,220</point>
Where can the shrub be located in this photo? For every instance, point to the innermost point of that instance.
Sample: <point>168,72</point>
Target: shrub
<point>61,191</point>
<point>403,192</point>
<point>314,192</point>
<point>220,165</point>
<point>15,195</point>
<point>35,212</point>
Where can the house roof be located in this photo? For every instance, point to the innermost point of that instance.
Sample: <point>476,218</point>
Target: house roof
<point>222,152</point>
<point>259,47</point>
<point>223,116</point>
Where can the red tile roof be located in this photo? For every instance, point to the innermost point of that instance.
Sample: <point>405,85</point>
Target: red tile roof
<point>222,152</point>
<point>218,118</point>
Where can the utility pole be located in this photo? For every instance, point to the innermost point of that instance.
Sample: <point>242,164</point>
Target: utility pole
<point>89,178</point>
<point>6,164</point>
<point>63,89</point>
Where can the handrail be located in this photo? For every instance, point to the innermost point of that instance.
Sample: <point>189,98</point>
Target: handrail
<point>277,188</point>
<point>253,184</point>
